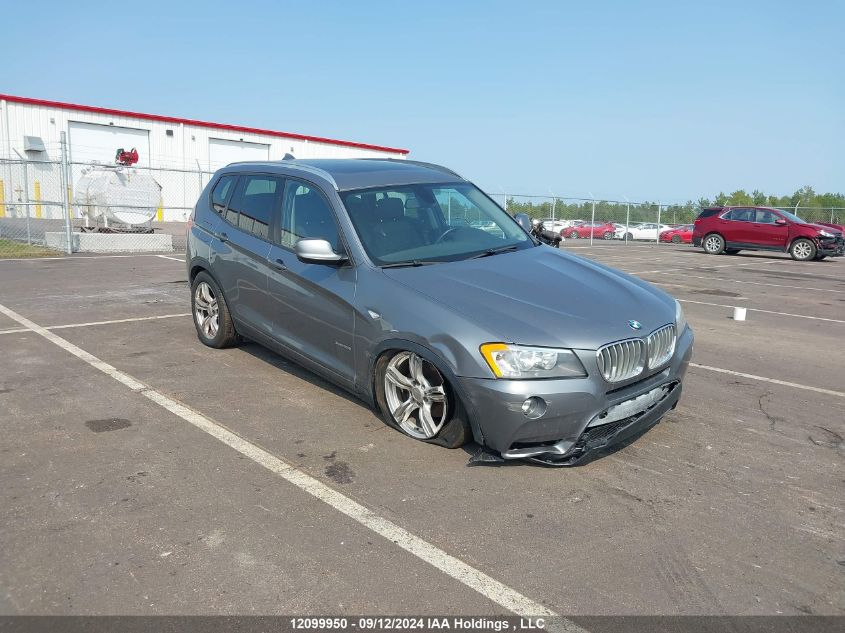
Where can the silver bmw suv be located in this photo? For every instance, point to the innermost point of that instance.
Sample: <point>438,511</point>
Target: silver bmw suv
<point>406,285</point>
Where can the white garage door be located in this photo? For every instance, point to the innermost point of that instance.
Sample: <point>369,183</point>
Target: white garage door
<point>90,142</point>
<point>222,152</point>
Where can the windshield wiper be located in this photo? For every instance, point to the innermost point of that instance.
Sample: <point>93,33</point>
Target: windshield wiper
<point>408,264</point>
<point>495,251</point>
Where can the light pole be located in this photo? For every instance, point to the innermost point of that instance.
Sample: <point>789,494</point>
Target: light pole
<point>592,217</point>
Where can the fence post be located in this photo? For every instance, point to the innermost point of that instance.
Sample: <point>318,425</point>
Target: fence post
<point>26,193</point>
<point>657,238</point>
<point>627,217</point>
<point>592,219</point>
<point>65,196</point>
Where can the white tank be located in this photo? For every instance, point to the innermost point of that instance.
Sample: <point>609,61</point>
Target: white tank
<point>117,195</point>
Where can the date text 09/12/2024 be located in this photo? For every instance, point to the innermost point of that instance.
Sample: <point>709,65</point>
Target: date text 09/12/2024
<point>443,623</point>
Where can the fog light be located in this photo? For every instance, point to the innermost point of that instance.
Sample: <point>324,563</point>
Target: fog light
<point>533,407</point>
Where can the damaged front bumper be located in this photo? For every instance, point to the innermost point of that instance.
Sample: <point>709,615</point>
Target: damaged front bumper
<point>582,416</point>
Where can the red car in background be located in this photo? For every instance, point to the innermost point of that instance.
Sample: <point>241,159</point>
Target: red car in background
<point>601,230</point>
<point>732,229</point>
<point>678,234</point>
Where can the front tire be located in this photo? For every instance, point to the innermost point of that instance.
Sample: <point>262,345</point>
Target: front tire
<point>415,398</point>
<point>607,235</point>
<point>212,319</point>
<point>802,250</point>
<point>574,235</point>
<point>714,244</point>
<point>676,239</point>
<point>629,236</point>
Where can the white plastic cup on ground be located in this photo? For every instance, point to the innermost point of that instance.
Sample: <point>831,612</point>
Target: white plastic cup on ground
<point>739,314</point>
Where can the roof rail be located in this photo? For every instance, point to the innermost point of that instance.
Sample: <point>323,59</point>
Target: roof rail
<point>287,162</point>
<point>434,166</point>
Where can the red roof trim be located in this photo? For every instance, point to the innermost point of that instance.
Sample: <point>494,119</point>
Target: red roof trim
<point>219,126</point>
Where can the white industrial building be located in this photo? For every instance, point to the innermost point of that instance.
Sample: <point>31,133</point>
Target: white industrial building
<point>179,153</point>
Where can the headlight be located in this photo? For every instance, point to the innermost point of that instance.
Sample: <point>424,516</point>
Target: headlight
<point>680,319</point>
<point>826,234</point>
<point>518,361</point>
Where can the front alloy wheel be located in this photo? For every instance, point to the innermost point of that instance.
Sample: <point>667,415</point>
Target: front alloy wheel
<point>416,395</point>
<point>802,250</point>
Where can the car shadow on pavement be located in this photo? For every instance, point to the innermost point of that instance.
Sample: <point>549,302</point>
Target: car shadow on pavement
<point>292,368</point>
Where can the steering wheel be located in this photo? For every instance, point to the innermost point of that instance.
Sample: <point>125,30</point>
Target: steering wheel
<point>448,232</point>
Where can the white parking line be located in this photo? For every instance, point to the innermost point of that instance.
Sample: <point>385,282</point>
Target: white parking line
<point>175,259</point>
<point>464,573</point>
<point>77,258</point>
<point>753,283</point>
<point>785,383</point>
<point>18,330</point>
<point>789,314</point>
<point>660,270</point>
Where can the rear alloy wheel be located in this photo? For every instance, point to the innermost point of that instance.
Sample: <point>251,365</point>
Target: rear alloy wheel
<point>629,236</point>
<point>574,235</point>
<point>211,314</point>
<point>415,398</point>
<point>802,250</point>
<point>714,244</point>
<point>676,239</point>
<point>607,235</point>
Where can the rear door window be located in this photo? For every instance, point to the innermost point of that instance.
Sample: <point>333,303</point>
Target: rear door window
<point>221,191</point>
<point>253,202</point>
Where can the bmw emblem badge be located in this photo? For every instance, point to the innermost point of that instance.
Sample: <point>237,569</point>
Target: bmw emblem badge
<point>635,325</point>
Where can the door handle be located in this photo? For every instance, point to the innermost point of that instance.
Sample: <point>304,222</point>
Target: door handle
<point>278,264</point>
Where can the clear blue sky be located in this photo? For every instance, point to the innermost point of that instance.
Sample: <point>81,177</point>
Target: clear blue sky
<point>663,100</point>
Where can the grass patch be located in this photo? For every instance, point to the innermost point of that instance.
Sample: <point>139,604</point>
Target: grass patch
<point>11,248</point>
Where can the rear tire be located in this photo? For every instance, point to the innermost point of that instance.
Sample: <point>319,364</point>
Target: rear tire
<point>714,244</point>
<point>607,235</point>
<point>676,239</point>
<point>802,250</point>
<point>402,381</point>
<point>212,319</point>
<point>629,236</point>
<point>573,235</point>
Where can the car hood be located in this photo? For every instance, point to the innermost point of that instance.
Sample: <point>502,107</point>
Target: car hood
<point>543,296</point>
<point>823,226</point>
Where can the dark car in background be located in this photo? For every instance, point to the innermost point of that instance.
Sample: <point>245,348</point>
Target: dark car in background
<point>366,272</point>
<point>732,229</point>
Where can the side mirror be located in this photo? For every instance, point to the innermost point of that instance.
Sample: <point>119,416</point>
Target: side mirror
<point>317,251</point>
<point>780,222</point>
<point>524,221</point>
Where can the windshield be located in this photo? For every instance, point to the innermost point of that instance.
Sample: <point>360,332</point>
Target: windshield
<point>430,223</point>
<point>791,216</point>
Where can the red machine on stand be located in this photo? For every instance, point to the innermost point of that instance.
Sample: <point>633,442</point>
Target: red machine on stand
<point>127,159</point>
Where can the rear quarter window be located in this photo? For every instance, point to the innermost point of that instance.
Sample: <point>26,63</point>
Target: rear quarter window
<point>708,213</point>
<point>221,191</point>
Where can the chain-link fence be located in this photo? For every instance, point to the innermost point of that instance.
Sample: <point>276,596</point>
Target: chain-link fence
<point>57,207</point>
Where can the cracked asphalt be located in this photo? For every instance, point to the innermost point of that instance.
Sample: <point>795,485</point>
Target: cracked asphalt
<point>111,504</point>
